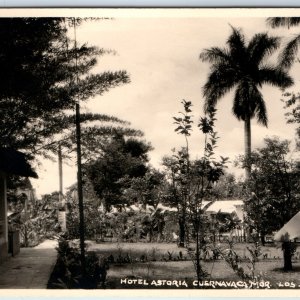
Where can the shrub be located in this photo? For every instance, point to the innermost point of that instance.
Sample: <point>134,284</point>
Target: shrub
<point>67,273</point>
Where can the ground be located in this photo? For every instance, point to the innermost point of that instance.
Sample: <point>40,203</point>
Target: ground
<point>163,261</point>
<point>30,269</point>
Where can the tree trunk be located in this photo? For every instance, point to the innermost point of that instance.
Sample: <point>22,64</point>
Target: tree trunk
<point>247,133</point>
<point>25,236</point>
<point>148,237</point>
<point>198,267</point>
<point>181,231</point>
<point>262,238</point>
<point>287,256</point>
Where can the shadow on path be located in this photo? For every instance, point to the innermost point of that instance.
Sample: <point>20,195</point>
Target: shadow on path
<point>30,269</point>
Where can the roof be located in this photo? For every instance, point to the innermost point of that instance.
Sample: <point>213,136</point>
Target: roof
<point>225,206</point>
<point>14,162</point>
<point>145,209</point>
<point>290,230</point>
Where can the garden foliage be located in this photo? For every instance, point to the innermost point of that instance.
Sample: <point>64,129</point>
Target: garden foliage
<point>67,273</point>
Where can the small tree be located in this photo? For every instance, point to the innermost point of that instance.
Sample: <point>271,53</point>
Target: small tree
<point>191,181</point>
<point>37,220</point>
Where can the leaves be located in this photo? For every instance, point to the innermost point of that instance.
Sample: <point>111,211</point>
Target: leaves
<point>184,123</point>
<point>121,162</point>
<point>273,187</point>
<point>283,21</point>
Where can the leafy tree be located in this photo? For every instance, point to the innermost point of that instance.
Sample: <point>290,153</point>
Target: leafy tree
<point>121,161</point>
<point>95,221</point>
<point>176,196</point>
<point>242,66</point>
<point>149,189</point>
<point>39,80</point>
<point>36,221</point>
<point>273,188</point>
<point>292,104</point>
<point>228,187</point>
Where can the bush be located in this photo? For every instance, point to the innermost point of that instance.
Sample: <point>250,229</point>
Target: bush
<point>68,274</point>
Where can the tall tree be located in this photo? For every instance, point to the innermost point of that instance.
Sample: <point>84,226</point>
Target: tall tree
<point>242,66</point>
<point>37,79</point>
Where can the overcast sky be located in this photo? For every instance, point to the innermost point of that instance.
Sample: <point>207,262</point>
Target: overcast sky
<point>162,57</point>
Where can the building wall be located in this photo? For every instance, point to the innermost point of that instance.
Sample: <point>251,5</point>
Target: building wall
<point>3,218</point>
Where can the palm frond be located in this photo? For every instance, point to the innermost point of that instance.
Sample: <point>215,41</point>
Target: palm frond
<point>260,46</point>
<point>248,101</point>
<point>90,117</point>
<point>283,21</point>
<point>215,55</point>
<point>220,81</point>
<point>289,52</point>
<point>101,82</point>
<point>110,131</point>
<point>261,111</point>
<point>241,101</point>
<point>236,43</point>
<point>274,76</point>
<point>208,205</point>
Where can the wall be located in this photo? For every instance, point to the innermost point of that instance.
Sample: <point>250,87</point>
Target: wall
<point>3,218</point>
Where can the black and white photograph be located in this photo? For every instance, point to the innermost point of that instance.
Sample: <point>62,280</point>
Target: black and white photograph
<point>150,148</point>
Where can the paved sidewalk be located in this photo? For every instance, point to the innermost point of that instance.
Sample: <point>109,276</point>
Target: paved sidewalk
<point>30,269</point>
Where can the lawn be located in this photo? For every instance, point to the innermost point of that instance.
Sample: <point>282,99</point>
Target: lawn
<point>145,265</point>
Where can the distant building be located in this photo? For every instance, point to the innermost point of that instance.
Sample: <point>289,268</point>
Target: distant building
<point>233,208</point>
<point>27,190</point>
<point>227,206</point>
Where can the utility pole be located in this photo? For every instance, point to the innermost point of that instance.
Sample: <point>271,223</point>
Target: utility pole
<point>79,171</point>
<point>79,188</point>
<point>60,172</point>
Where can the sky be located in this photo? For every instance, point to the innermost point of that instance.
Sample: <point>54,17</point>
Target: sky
<point>161,54</point>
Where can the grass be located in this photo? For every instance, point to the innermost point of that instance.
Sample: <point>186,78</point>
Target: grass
<point>153,251</point>
<point>158,266</point>
<point>184,271</point>
<point>166,263</point>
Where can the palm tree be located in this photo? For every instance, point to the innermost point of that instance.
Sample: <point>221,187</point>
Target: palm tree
<point>242,66</point>
<point>290,50</point>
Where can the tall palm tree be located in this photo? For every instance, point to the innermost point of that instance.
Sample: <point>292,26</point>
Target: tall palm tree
<point>288,55</point>
<point>242,66</point>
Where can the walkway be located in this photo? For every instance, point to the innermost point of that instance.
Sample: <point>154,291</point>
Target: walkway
<point>30,269</point>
